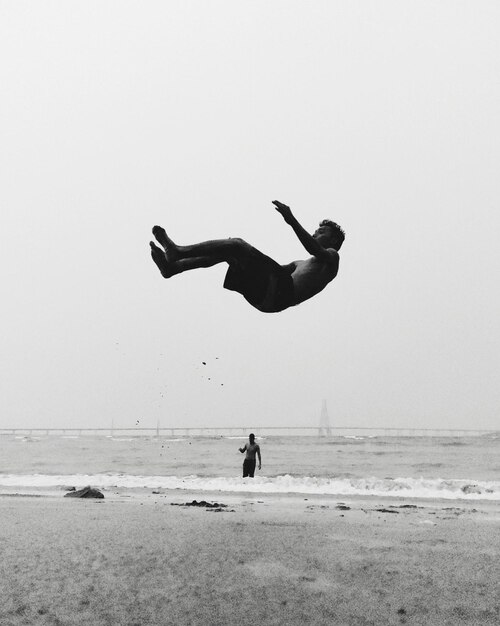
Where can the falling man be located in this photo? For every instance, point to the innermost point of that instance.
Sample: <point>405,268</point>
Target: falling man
<point>264,283</point>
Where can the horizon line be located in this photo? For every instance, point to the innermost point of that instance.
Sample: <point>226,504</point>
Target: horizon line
<point>238,428</point>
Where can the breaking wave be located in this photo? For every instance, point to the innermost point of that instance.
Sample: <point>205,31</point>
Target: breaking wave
<point>286,484</point>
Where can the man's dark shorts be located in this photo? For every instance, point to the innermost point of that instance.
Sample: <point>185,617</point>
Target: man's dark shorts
<point>248,468</point>
<point>265,284</point>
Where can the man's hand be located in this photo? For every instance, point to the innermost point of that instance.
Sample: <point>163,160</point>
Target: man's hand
<point>307,240</point>
<point>284,210</point>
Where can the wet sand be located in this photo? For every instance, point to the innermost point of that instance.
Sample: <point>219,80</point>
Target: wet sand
<point>135,560</point>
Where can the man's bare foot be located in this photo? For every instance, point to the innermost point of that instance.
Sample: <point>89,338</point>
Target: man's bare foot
<point>164,240</point>
<point>161,260</point>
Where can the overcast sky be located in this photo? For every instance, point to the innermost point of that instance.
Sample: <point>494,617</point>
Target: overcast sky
<point>383,116</point>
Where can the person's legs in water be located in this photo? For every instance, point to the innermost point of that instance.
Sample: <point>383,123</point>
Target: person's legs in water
<point>248,468</point>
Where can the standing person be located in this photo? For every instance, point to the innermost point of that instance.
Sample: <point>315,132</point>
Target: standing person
<point>251,449</point>
<point>264,283</point>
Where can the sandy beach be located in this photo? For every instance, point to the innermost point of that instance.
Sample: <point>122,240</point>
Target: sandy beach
<point>134,559</point>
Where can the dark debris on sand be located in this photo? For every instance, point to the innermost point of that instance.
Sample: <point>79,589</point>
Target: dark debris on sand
<point>216,507</point>
<point>405,506</point>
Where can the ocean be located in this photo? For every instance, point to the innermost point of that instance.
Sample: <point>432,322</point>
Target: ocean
<point>455,468</point>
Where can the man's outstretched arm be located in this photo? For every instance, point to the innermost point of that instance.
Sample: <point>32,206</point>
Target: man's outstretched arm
<point>307,240</point>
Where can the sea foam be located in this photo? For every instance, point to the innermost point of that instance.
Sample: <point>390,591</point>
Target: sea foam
<point>462,489</point>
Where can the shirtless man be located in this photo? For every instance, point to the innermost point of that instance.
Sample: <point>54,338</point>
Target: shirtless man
<point>264,283</point>
<point>251,449</point>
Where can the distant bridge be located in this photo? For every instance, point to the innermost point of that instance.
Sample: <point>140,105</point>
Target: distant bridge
<point>236,431</point>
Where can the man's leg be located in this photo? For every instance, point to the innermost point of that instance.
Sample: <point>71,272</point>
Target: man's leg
<point>249,269</point>
<point>224,249</point>
<point>169,269</point>
<point>251,469</point>
<point>245,468</point>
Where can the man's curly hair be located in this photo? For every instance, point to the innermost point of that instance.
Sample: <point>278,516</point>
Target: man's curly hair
<point>338,234</point>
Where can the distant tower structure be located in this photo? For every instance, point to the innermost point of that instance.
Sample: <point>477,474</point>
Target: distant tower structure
<point>324,422</point>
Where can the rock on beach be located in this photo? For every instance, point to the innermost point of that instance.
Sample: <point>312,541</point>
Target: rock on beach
<point>86,492</point>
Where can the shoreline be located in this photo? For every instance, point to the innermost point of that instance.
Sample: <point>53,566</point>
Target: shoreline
<point>148,493</point>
